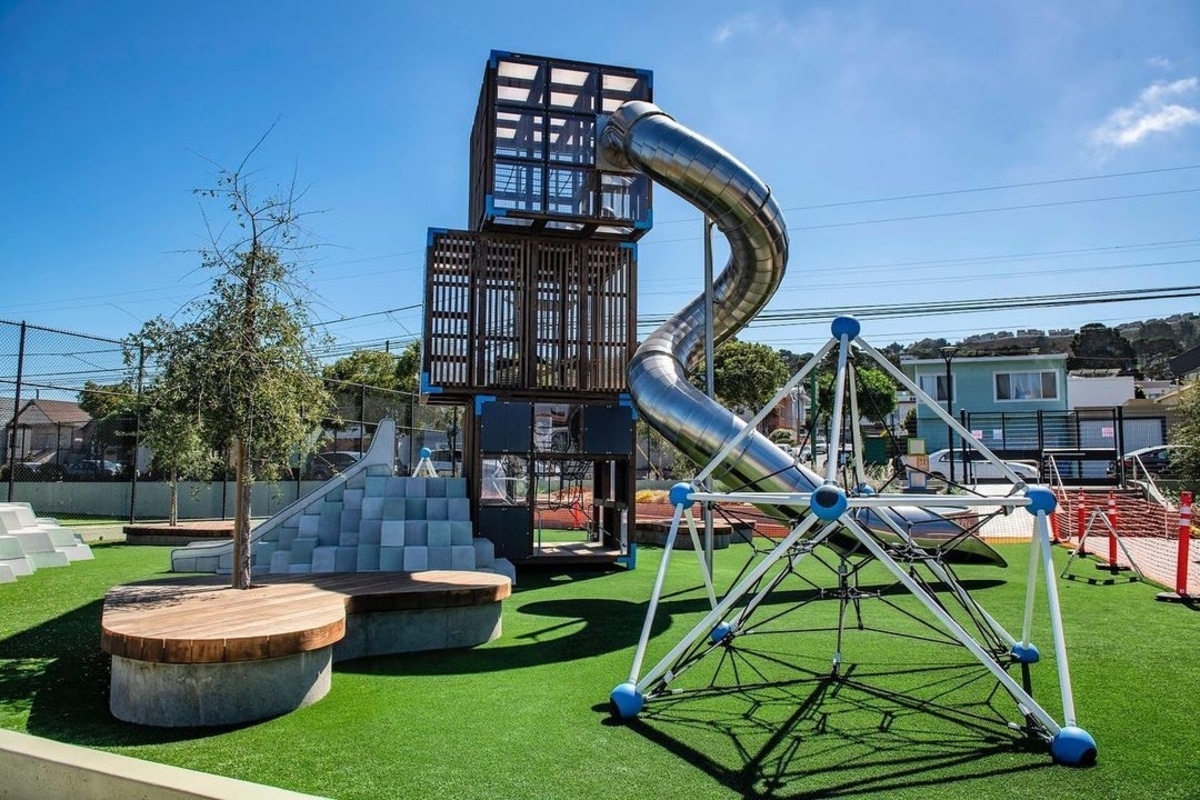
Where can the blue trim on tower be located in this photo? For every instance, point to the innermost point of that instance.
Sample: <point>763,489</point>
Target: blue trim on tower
<point>494,58</point>
<point>649,76</point>
<point>431,233</point>
<point>489,207</point>
<point>647,223</point>
<point>481,399</point>
<point>427,388</point>
<point>629,246</point>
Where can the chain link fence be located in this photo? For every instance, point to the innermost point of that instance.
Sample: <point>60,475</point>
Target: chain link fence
<point>69,412</point>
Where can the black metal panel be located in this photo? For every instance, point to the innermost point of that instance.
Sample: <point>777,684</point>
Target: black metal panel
<point>608,430</point>
<point>505,427</point>
<point>509,528</point>
<point>533,149</point>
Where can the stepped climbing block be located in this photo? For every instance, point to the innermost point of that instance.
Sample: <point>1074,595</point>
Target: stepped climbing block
<point>40,550</point>
<point>367,521</point>
<point>13,558</point>
<point>6,574</point>
<point>18,519</point>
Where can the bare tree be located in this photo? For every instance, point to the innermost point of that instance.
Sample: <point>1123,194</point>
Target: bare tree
<point>243,353</point>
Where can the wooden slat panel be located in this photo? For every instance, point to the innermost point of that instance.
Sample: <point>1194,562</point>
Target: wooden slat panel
<point>528,313</point>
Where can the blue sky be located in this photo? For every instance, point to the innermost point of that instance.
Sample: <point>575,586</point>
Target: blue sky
<point>111,113</point>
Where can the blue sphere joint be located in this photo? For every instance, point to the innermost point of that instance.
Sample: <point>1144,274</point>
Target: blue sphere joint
<point>864,489</point>
<point>828,502</point>
<point>1040,499</point>
<point>1025,654</point>
<point>426,452</point>
<point>1074,747</point>
<point>720,632</point>
<point>846,325</point>
<point>626,701</point>
<point>679,494</point>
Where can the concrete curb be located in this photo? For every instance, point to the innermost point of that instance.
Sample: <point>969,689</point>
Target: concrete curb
<point>36,768</point>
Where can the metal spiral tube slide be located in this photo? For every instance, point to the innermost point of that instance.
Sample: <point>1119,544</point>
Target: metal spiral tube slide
<point>641,137</point>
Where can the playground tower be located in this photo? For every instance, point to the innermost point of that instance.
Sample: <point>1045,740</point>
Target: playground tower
<point>530,314</point>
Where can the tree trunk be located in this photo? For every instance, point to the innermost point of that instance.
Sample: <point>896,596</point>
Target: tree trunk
<point>173,498</point>
<point>241,516</point>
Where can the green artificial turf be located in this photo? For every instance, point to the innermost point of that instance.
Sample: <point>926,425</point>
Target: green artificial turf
<point>526,716</point>
<point>84,519</point>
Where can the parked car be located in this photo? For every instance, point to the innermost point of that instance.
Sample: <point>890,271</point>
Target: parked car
<point>980,469</point>
<point>443,464</point>
<point>804,452</point>
<point>92,469</point>
<point>1155,461</point>
<point>323,466</point>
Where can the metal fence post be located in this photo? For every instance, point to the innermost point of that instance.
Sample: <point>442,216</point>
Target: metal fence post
<point>12,441</point>
<point>137,434</point>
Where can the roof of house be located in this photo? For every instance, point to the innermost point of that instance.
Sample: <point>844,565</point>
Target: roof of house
<point>1186,362</point>
<point>52,412</point>
<point>906,361</point>
<point>1173,397</point>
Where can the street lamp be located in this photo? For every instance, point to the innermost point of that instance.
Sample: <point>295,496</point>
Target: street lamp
<point>948,354</point>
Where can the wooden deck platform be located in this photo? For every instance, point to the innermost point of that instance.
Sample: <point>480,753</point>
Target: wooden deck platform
<point>204,621</point>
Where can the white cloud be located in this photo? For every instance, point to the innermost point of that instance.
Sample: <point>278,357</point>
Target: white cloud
<point>1159,62</point>
<point>1154,111</point>
<point>747,23</point>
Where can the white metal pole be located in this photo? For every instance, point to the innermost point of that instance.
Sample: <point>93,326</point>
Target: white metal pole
<point>1020,695</point>
<point>1031,586</point>
<point>705,563</point>
<point>1056,629</point>
<point>835,426</point>
<point>709,377</point>
<point>652,609</point>
<point>710,620</point>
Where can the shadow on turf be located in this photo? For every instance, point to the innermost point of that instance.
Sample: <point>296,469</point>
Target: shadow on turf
<point>822,736</point>
<point>597,627</point>
<point>57,673</point>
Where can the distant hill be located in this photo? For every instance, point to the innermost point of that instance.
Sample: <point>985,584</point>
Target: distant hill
<point>1153,342</point>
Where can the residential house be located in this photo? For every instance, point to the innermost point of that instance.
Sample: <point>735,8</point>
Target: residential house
<point>47,429</point>
<point>6,414</point>
<point>1099,388</point>
<point>988,389</point>
<point>1186,363</point>
<point>1152,390</point>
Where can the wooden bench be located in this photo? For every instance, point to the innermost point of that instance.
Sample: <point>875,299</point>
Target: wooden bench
<point>194,651</point>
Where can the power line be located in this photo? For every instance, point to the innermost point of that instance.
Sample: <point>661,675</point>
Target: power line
<point>896,310</point>
<point>962,213</point>
<point>997,209</point>
<point>365,316</point>
<point>975,190</point>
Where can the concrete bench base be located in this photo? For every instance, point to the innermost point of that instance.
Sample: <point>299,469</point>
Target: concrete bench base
<point>382,633</point>
<point>187,695</point>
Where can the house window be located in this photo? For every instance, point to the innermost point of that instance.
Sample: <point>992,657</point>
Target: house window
<point>934,386</point>
<point>1026,386</point>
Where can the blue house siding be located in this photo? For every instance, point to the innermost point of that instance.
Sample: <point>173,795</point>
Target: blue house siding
<point>977,390</point>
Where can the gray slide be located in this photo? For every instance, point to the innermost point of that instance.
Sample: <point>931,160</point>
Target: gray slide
<point>641,137</point>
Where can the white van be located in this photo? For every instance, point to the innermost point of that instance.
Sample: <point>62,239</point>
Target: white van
<point>980,468</point>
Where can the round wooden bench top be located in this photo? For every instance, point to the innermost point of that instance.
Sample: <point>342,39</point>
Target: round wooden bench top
<point>203,620</point>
